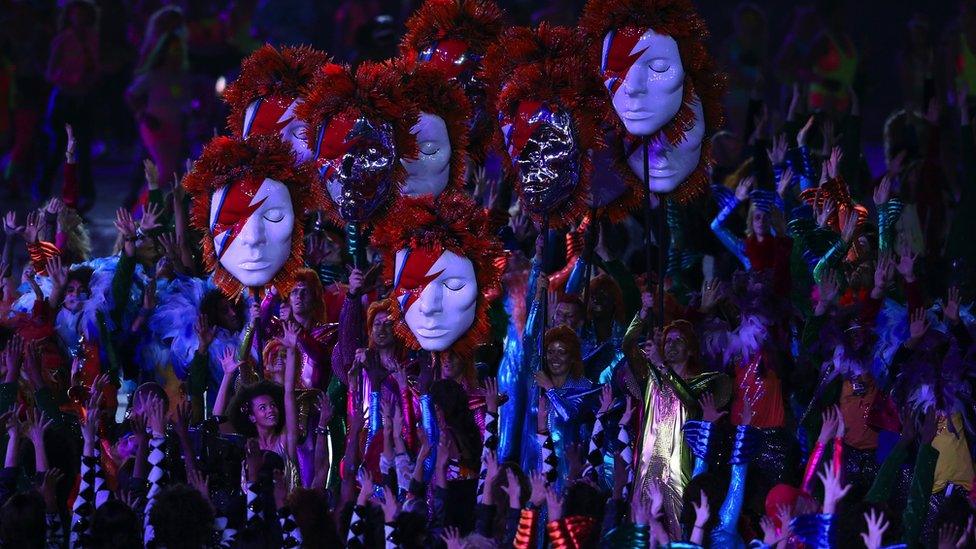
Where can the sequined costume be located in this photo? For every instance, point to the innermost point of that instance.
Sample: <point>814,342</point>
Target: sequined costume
<point>669,401</point>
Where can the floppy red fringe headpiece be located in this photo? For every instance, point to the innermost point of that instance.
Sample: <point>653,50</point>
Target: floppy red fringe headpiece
<point>431,91</point>
<point>225,160</point>
<point>269,71</point>
<point>454,223</point>
<point>476,23</point>
<point>372,92</point>
<point>679,20</point>
<point>547,64</point>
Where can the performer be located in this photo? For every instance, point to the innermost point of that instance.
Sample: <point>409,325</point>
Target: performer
<point>674,385</point>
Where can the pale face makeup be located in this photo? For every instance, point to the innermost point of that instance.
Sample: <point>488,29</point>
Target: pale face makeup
<point>669,166</point>
<point>646,78</point>
<point>428,174</point>
<point>262,117</point>
<point>252,245</point>
<point>444,308</point>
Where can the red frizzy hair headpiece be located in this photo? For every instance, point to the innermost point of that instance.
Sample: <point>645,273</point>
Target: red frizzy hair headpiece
<point>679,20</point>
<point>471,26</point>
<point>476,22</point>
<point>226,160</point>
<point>547,65</point>
<point>431,91</point>
<point>452,223</point>
<point>269,72</point>
<point>373,92</point>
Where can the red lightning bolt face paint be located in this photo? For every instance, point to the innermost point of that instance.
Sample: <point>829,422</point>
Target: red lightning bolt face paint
<point>450,55</point>
<point>437,292</point>
<point>268,115</point>
<point>251,223</point>
<point>275,114</point>
<point>620,55</point>
<point>412,278</point>
<point>643,71</point>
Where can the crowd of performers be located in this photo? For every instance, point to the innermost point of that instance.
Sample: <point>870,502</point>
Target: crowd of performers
<point>511,288</point>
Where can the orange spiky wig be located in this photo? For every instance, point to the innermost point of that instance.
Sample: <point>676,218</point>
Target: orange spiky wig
<point>454,36</point>
<point>703,81</point>
<point>453,223</point>
<point>534,73</point>
<point>228,161</point>
<point>270,74</point>
<point>432,91</point>
<point>338,100</point>
<point>568,337</point>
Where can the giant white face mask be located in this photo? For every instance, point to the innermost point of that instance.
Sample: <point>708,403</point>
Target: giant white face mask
<point>430,171</point>
<point>643,72</point>
<point>438,295</point>
<point>251,221</point>
<point>669,166</point>
<point>277,114</point>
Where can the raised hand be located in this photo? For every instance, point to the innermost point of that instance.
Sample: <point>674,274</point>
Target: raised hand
<point>877,525</point>
<point>918,324</point>
<point>951,309</point>
<point>829,287</point>
<point>35,424</point>
<point>825,211</point>
<point>389,505</point>
<point>709,411</point>
<point>513,489</point>
<point>290,333</point>
<point>801,136</point>
<point>155,415</point>
<point>743,188</point>
<point>833,162</point>
<point>850,226</point>
<point>906,262</point>
<point>57,272</point>
<point>150,217</point>
<point>785,180</point>
<point>125,224</point>
<point>537,483</point>
<point>834,489</point>
<point>54,206</point>
<point>10,226</point>
<point>365,486</point>
<point>777,154</point>
<point>884,271</point>
<point>882,193</point>
<point>198,481</point>
<point>828,427</point>
<point>204,332</point>
<point>769,531</point>
<point>33,227</point>
<point>491,395</point>
<point>228,361</point>
<point>452,538</point>
<point>702,511</point>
